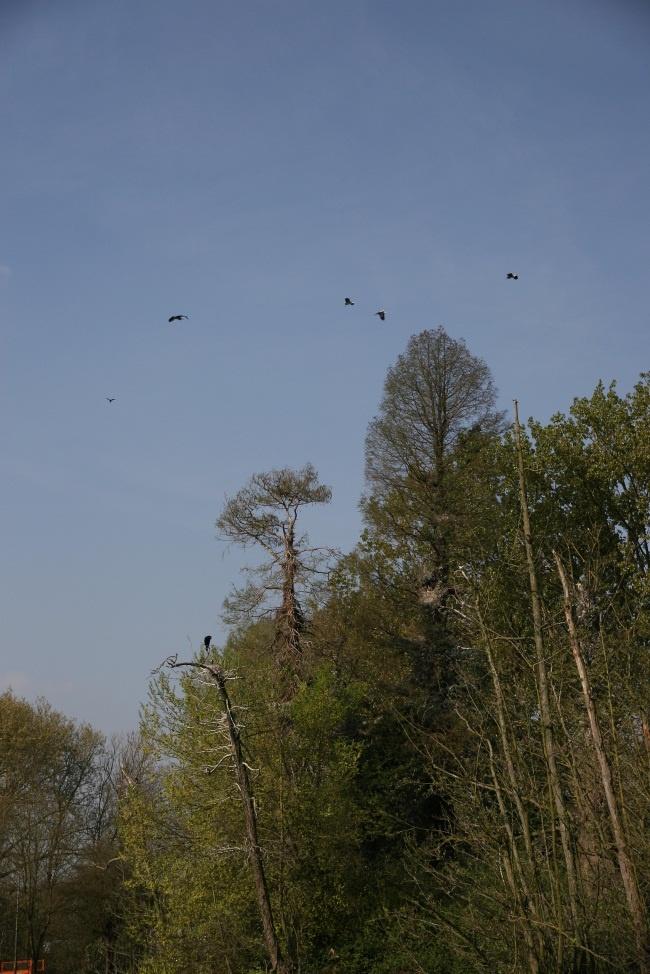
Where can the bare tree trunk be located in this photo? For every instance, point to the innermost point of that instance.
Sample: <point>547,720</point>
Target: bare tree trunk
<point>529,898</point>
<point>290,618</point>
<point>520,891</point>
<point>278,962</point>
<point>543,692</point>
<point>515,788</point>
<point>633,896</point>
<point>255,854</point>
<point>505,743</point>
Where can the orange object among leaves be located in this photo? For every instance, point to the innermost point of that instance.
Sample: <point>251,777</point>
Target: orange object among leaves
<point>22,967</point>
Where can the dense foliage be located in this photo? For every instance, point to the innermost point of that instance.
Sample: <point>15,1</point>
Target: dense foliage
<point>61,896</point>
<point>431,754</point>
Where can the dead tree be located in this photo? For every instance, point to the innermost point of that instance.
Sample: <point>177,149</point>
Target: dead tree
<point>219,677</point>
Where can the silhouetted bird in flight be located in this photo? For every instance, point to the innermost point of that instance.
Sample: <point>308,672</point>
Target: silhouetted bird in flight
<point>349,303</point>
<point>382,315</point>
<point>206,642</point>
<point>110,400</point>
<point>512,277</point>
<point>177,318</point>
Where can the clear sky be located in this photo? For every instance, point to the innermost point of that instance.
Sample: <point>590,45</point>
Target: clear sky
<point>251,164</point>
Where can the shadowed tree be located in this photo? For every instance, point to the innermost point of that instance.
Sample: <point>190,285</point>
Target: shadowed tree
<point>438,400</point>
<point>429,485</point>
<point>551,685</point>
<point>54,821</point>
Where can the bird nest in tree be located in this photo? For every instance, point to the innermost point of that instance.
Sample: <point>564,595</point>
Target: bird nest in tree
<point>432,594</point>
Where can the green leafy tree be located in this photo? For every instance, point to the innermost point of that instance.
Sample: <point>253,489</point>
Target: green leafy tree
<point>547,791</point>
<point>57,833</point>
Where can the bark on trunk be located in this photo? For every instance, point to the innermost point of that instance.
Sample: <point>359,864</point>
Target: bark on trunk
<point>632,893</point>
<point>520,892</point>
<point>290,622</point>
<point>278,962</point>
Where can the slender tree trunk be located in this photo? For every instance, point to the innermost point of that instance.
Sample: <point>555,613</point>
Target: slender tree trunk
<point>520,892</point>
<point>278,963</point>
<point>505,745</point>
<point>632,894</point>
<point>529,897</point>
<point>515,788</point>
<point>548,739</point>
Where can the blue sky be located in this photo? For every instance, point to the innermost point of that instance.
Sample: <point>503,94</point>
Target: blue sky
<point>251,164</point>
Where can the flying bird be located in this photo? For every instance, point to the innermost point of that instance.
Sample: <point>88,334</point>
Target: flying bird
<point>177,318</point>
<point>512,277</point>
<point>108,399</point>
<point>382,314</point>
<point>206,642</point>
<point>349,303</point>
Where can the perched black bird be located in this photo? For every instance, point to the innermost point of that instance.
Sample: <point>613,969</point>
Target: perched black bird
<point>206,642</point>
<point>349,303</point>
<point>110,400</point>
<point>512,277</point>
<point>382,314</point>
<point>177,318</point>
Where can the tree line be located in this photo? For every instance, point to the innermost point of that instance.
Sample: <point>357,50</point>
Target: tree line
<point>429,754</point>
